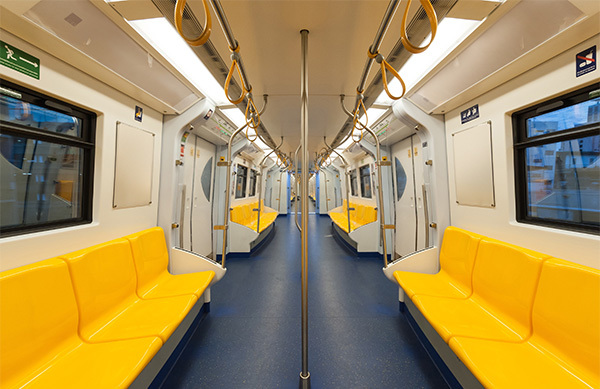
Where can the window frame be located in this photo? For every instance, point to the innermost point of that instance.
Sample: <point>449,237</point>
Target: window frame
<point>521,142</point>
<point>353,182</point>
<point>253,179</point>
<point>245,181</point>
<point>362,181</point>
<point>86,142</point>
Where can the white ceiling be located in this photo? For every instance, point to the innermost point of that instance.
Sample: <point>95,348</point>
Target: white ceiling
<point>269,36</point>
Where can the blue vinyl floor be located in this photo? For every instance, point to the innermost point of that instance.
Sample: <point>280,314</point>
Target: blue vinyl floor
<point>357,336</point>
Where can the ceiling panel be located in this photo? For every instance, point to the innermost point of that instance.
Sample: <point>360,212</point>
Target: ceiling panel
<point>269,36</point>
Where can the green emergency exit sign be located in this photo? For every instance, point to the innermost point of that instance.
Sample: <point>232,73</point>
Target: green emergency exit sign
<point>19,60</point>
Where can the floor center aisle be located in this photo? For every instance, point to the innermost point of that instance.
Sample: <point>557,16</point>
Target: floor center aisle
<point>357,336</point>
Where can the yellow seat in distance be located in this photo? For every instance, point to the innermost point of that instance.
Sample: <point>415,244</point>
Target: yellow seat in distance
<point>504,283</point>
<point>39,343</point>
<point>457,257</point>
<point>564,349</point>
<point>104,280</point>
<point>151,260</point>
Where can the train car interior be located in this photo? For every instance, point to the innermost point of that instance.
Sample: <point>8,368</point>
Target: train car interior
<point>289,193</point>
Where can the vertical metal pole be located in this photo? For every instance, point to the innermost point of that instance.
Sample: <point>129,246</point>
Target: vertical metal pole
<point>304,374</point>
<point>225,225</point>
<point>382,224</point>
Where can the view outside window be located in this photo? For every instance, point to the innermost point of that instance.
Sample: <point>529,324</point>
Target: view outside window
<point>365,180</point>
<point>353,183</point>
<point>45,162</point>
<point>559,157</point>
<point>240,181</point>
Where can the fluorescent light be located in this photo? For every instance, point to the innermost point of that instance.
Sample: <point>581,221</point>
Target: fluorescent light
<point>235,115</point>
<point>450,33</point>
<point>166,40</point>
<point>261,145</point>
<point>373,114</point>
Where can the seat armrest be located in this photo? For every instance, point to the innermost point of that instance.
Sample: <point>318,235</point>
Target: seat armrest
<point>424,261</point>
<point>183,262</point>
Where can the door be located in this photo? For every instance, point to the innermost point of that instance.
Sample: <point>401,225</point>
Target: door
<point>199,167</point>
<point>408,174</point>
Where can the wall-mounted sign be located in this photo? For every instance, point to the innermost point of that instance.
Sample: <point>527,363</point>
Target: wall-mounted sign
<point>18,60</point>
<point>139,113</point>
<point>585,61</point>
<point>469,114</point>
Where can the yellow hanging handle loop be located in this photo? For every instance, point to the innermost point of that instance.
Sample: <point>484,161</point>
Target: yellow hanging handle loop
<point>252,116</point>
<point>234,66</point>
<point>385,66</point>
<point>356,123</point>
<point>433,22</point>
<point>203,38</point>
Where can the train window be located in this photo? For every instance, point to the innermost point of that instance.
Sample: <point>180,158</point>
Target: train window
<point>252,188</point>
<point>557,162</point>
<point>240,186</point>
<point>365,181</point>
<point>353,183</point>
<point>46,162</point>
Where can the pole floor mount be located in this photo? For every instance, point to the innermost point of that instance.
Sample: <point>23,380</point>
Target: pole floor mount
<point>304,381</point>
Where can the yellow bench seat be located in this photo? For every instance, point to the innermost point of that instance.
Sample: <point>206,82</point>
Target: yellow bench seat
<point>504,283</point>
<point>39,342</point>
<point>246,215</point>
<point>104,280</point>
<point>361,215</point>
<point>564,349</point>
<point>151,259</point>
<point>457,257</point>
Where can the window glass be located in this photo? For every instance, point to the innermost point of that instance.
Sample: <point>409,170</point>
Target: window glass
<point>206,178</point>
<point>241,178</point>
<point>45,177</point>
<point>400,179</point>
<point>557,162</point>
<point>28,114</point>
<point>252,188</point>
<point>365,181</point>
<point>563,181</point>
<point>586,112</point>
<point>353,183</point>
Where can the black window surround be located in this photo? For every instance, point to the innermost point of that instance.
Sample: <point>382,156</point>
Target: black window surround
<point>83,142</point>
<point>537,152</point>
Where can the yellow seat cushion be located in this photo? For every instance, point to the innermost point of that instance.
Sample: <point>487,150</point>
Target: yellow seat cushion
<point>39,344</point>
<point>340,219</point>
<point>266,219</point>
<point>564,350</point>
<point>151,259</point>
<point>513,365</point>
<point>104,280</point>
<point>457,257</point>
<point>505,278</point>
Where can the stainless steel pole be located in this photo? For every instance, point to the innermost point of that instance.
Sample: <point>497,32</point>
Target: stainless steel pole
<point>296,188</point>
<point>225,225</point>
<point>382,224</point>
<point>304,374</point>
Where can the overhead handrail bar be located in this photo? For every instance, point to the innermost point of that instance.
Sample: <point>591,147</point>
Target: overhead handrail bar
<point>206,29</point>
<point>383,27</point>
<point>304,382</point>
<point>231,41</point>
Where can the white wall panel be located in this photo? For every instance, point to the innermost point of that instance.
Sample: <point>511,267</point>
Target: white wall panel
<point>551,79</point>
<point>61,80</point>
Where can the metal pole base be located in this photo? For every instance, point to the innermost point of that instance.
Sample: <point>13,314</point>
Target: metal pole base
<point>304,381</point>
